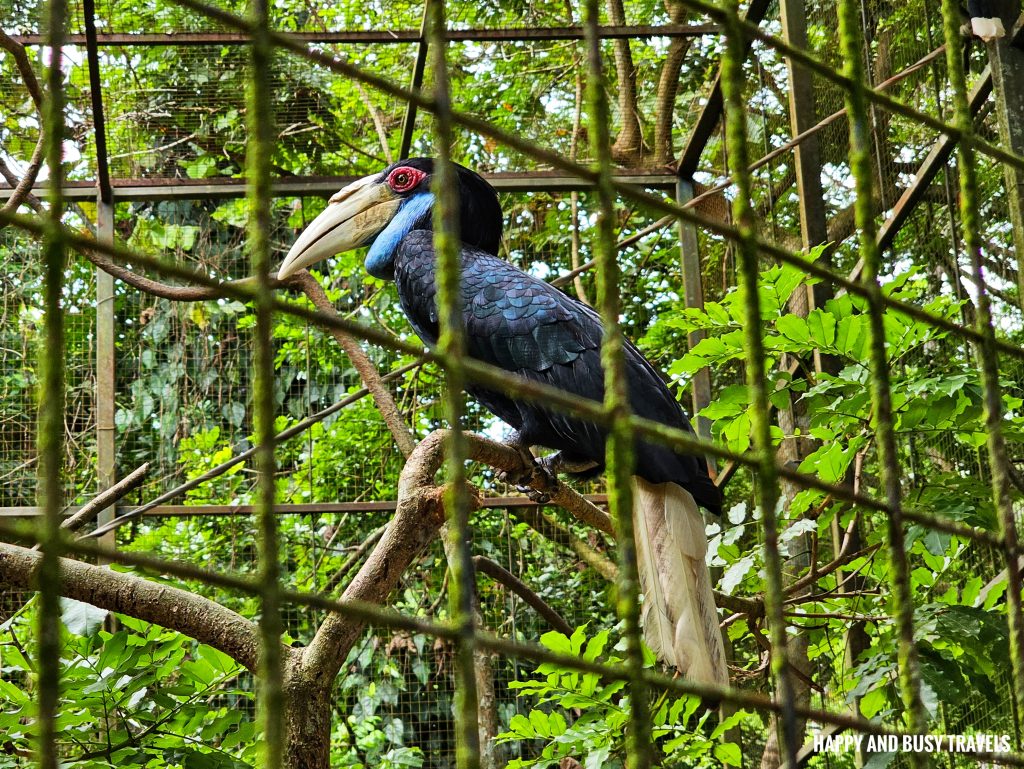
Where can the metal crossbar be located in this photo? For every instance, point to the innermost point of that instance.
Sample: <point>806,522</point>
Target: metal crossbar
<point>613,413</point>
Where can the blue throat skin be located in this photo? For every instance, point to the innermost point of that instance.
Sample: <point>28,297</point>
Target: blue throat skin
<point>380,260</point>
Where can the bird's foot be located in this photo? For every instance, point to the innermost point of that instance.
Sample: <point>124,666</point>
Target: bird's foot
<point>541,485</point>
<point>528,463</point>
<point>532,477</point>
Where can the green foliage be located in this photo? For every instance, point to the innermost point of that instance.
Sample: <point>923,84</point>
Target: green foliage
<point>937,405</point>
<point>583,716</point>
<point>140,696</point>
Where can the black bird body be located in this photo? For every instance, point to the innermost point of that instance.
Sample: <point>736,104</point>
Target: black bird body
<point>527,327</point>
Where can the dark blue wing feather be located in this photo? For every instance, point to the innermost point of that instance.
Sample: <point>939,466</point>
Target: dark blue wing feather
<point>525,326</point>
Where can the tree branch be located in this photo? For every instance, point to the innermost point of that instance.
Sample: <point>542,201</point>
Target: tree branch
<point>166,290</point>
<point>628,148</point>
<point>367,371</point>
<point>17,50</point>
<point>23,189</point>
<point>200,618</point>
<point>502,457</point>
<point>496,572</point>
<point>353,559</point>
<point>668,86</point>
<point>416,522</point>
<point>107,498</point>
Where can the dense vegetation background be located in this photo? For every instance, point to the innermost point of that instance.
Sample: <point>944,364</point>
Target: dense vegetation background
<point>138,695</point>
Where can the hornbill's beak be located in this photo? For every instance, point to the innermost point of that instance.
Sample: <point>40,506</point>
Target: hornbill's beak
<point>353,218</point>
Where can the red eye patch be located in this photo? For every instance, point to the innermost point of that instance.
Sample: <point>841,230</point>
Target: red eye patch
<point>404,178</point>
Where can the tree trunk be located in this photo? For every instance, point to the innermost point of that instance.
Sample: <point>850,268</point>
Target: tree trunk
<point>628,149</point>
<point>307,722</point>
<point>668,87</point>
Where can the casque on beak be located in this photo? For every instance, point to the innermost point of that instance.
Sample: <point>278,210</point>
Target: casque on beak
<point>353,217</point>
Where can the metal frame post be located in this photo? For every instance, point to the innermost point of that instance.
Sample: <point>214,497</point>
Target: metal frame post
<point>1007,61</point>
<point>693,296</point>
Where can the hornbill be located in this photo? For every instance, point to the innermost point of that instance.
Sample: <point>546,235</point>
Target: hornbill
<point>525,326</point>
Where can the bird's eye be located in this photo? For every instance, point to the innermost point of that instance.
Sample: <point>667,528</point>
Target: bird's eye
<point>404,179</point>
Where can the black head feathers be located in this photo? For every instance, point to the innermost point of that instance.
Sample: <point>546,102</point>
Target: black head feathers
<point>480,218</point>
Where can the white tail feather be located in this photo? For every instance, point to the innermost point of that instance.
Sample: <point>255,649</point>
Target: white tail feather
<point>988,29</point>
<point>679,618</point>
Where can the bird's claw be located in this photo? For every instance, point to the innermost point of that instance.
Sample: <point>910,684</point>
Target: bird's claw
<point>518,477</point>
<point>535,496</point>
<point>530,475</point>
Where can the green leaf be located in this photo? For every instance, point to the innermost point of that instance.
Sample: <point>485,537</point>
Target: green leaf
<point>728,753</point>
<point>539,721</point>
<point>737,433</point>
<point>872,702</point>
<point>822,328</point>
<point>597,758</point>
<point>522,726</point>
<point>794,327</point>
<point>595,646</point>
<point>829,462</point>
<point>556,642</point>
<point>849,336</point>
<point>734,575</point>
<point>81,618</point>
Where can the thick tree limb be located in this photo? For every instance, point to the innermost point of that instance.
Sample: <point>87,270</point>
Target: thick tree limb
<point>170,607</point>
<point>668,87</point>
<point>28,75</point>
<point>628,148</point>
<point>416,522</point>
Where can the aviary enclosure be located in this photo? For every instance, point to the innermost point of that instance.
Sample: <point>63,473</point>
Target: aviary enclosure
<point>253,522</point>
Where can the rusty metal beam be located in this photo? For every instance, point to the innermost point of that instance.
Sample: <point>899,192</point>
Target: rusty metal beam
<point>128,190</point>
<point>525,34</point>
<point>933,163</point>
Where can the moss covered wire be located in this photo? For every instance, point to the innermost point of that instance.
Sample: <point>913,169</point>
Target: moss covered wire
<point>619,448</point>
<point>51,402</point>
<point>987,355</point>
<point>881,386</point>
<point>452,347</point>
<point>757,376</point>
<point>260,117</point>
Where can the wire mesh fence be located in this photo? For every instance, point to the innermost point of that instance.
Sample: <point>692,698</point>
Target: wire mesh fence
<point>191,393</point>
